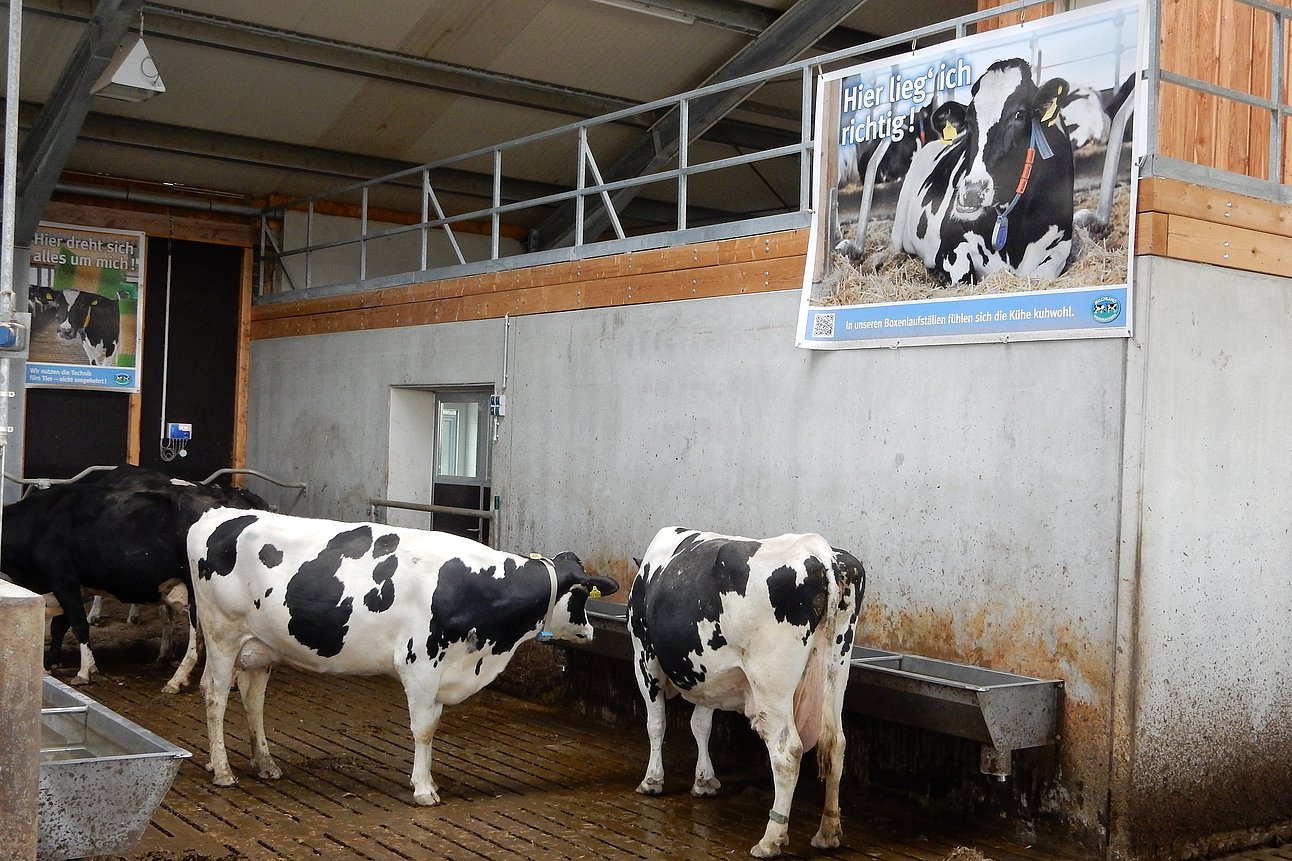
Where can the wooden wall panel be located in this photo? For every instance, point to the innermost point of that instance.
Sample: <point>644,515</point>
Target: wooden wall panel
<point>722,268</point>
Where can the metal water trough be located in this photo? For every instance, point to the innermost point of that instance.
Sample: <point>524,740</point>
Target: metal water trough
<point>101,776</point>
<point>1001,711</point>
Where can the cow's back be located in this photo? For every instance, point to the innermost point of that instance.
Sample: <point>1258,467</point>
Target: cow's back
<point>358,597</point>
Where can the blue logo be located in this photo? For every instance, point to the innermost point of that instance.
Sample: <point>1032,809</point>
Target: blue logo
<point>1106,309</point>
<point>121,379</point>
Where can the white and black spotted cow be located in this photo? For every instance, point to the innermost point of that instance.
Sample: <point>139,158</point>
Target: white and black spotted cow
<point>999,196</point>
<point>93,319</point>
<point>762,627</point>
<point>440,613</point>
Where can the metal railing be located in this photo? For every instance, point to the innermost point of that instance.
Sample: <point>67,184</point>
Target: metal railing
<point>296,266</point>
<point>483,516</point>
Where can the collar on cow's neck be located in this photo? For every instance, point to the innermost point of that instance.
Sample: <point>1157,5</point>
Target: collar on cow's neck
<point>551,574</point>
<point>1037,144</point>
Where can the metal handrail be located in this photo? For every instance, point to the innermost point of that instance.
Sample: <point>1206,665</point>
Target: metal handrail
<point>419,178</point>
<point>482,515</point>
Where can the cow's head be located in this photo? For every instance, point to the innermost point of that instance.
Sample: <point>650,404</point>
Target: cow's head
<point>1006,113</point>
<point>69,304</point>
<point>569,619</point>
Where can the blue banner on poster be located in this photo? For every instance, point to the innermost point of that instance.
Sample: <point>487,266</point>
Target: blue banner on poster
<point>82,377</point>
<point>1094,312</point>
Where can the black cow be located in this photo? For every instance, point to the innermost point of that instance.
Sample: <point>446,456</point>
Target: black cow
<point>95,320</point>
<point>999,196</point>
<point>122,534</point>
<point>762,627</point>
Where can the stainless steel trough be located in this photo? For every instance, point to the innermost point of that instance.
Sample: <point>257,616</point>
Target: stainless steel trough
<point>101,776</point>
<point>1001,711</point>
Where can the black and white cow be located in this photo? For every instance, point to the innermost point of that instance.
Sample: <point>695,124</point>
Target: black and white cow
<point>95,320</point>
<point>442,614</point>
<point>762,627</point>
<point>999,196</point>
<point>123,534</point>
<point>1084,117</point>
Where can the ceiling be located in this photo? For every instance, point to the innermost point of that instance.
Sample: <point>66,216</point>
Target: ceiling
<point>293,97</point>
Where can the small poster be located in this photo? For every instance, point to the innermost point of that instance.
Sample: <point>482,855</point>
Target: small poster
<point>978,190</point>
<point>86,313</point>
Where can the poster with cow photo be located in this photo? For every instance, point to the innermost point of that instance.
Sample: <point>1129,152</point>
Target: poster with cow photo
<point>85,299</point>
<point>978,190</point>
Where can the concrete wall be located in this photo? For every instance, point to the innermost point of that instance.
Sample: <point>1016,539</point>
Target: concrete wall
<point>978,483</point>
<point>1213,693</point>
<point>22,625</point>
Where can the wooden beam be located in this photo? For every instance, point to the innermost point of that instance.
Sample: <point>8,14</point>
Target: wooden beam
<point>242,384</point>
<point>189,226</point>
<point>720,268</point>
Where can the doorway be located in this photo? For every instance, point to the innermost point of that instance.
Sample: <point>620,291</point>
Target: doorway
<point>440,453</point>
<point>461,476</point>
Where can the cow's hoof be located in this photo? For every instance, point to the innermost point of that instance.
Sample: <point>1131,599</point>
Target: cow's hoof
<point>273,772</point>
<point>168,688</point>
<point>426,799</point>
<point>651,787</point>
<point>79,681</point>
<point>704,787</point>
<point>224,780</point>
<point>762,850</point>
<point>826,841</point>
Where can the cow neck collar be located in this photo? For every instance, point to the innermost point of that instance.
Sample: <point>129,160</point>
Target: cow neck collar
<point>551,575</point>
<point>1037,144</point>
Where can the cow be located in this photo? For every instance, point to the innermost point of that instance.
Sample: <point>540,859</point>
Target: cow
<point>999,196</point>
<point>95,320</point>
<point>1082,111</point>
<point>440,613</point>
<point>122,535</point>
<point>759,626</point>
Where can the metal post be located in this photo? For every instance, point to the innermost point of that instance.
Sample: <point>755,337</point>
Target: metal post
<point>10,201</point>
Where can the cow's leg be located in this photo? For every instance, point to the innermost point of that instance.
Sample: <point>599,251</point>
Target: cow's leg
<point>829,755</point>
<point>701,725</point>
<point>163,648</point>
<point>252,684</point>
<point>58,625</point>
<point>216,679</point>
<point>650,681</point>
<point>69,598</point>
<point>424,711</point>
<point>96,611</point>
<point>186,664</point>
<point>775,724</point>
<point>134,615</point>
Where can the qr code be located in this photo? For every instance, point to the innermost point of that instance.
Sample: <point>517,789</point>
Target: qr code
<point>823,326</point>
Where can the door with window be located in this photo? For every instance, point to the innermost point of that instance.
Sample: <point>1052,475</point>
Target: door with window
<point>462,470</point>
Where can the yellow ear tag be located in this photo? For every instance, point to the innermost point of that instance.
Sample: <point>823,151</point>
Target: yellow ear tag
<point>536,556</point>
<point>1051,115</point>
<point>948,132</point>
<point>595,593</point>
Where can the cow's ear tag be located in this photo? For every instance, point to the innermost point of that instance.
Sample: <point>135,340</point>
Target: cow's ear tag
<point>948,132</point>
<point>536,556</point>
<point>595,593</point>
<point>1051,114</point>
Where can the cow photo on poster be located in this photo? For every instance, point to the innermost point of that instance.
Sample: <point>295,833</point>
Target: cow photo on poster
<point>85,299</point>
<point>979,189</point>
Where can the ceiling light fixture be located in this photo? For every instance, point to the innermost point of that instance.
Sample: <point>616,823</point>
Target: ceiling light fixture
<point>650,9</point>
<point>131,75</point>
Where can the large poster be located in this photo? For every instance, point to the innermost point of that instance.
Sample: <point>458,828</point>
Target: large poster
<point>85,301</point>
<point>978,190</point>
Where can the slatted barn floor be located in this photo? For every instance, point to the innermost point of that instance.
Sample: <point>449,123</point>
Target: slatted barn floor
<point>518,780</point>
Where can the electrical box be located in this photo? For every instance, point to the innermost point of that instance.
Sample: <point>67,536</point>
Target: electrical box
<point>179,430</point>
<point>497,405</point>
